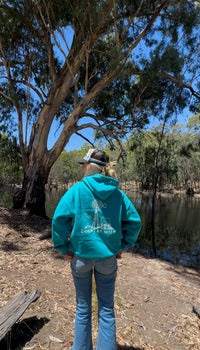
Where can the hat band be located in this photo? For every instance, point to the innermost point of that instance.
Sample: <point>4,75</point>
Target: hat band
<point>96,161</point>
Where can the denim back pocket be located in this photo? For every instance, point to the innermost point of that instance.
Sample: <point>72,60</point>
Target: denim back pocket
<point>106,266</point>
<point>80,265</point>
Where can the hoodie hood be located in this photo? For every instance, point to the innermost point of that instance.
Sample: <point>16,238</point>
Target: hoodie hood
<point>102,186</point>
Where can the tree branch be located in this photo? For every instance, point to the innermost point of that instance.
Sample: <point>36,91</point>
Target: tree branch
<point>32,87</point>
<point>166,76</point>
<point>7,97</point>
<point>98,127</point>
<point>139,99</point>
<point>51,32</point>
<point>16,104</point>
<point>105,132</point>
<point>191,63</point>
<point>76,89</point>
<point>86,71</point>
<point>131,20</point>
<point>115,22</point>
<point>85,138</point>
<point>50,57</point>
<point>179,83</point>
<point>149,25</point>
<point>27,111</point>
<point>47,41</point>
<point>71,123</point>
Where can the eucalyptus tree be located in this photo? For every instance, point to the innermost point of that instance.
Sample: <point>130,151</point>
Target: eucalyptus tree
<point>10,160</point>
<point>65,170</point>
<point>154,156</point>
<point>104,64</point>
<point>188,153</point>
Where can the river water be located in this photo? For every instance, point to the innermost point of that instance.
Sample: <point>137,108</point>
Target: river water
<point>177,224</point>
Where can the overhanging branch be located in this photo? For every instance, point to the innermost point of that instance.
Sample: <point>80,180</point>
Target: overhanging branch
<point>166,76</point>
<point>7,97</point>
<point>98,127</point>
<point>47,40</point>
<point>149,25</point>
<point>105,132</point>
<point>131,20</point>
<point>85,138</point>
<point>179,83</point>
<point>32,87</point>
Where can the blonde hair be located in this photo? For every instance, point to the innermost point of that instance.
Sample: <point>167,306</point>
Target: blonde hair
<point>107,170</point>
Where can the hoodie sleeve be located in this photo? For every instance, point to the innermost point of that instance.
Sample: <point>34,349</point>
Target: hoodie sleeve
<point>131,224</point>
<point>62,222</point>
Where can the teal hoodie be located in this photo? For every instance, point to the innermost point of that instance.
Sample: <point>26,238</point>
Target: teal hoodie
<point>95,219</point>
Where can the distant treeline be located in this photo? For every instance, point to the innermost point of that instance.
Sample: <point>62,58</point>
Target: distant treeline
<point>167,156</point>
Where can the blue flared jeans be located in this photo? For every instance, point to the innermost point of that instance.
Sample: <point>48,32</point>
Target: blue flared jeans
<point>105,271</point>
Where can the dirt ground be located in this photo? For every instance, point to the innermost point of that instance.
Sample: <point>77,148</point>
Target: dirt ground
<point>155,301</point>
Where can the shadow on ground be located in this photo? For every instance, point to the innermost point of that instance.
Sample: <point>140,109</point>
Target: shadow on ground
<point>126,347</point>
<point>22,332</point>
<point>22,222</point>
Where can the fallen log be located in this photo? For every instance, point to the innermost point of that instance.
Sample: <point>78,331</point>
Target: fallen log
<point>43,235</point>
<point>13,310</point>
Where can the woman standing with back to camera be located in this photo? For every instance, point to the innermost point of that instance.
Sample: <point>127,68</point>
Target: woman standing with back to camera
<point>105,222</point>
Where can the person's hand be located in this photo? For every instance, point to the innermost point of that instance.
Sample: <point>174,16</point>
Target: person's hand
<point>69,255</point>
<point>119,255</point>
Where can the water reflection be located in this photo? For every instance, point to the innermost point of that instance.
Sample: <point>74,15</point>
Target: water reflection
<point>177,224</point>
<point>177,228</point>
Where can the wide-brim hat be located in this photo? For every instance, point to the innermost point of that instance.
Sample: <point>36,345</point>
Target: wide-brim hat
<point>94,156</point>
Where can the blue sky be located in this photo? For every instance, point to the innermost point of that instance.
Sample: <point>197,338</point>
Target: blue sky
<point>76,142</point>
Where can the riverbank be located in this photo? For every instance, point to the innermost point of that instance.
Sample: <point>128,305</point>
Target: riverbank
<point>167,191</point>
<point>154,299</point>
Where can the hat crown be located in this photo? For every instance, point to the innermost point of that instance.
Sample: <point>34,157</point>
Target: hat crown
<point>89,154</point>
<point>95,156</point>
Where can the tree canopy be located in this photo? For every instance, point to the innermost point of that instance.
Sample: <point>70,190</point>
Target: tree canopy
<point>10,160</point>
<point>105,64</point>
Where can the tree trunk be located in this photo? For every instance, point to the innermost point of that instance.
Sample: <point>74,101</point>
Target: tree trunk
<point>32,194</point>
<point>153,236</point>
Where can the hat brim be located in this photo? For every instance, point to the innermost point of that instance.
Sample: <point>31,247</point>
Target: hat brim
<point>81,160</point>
